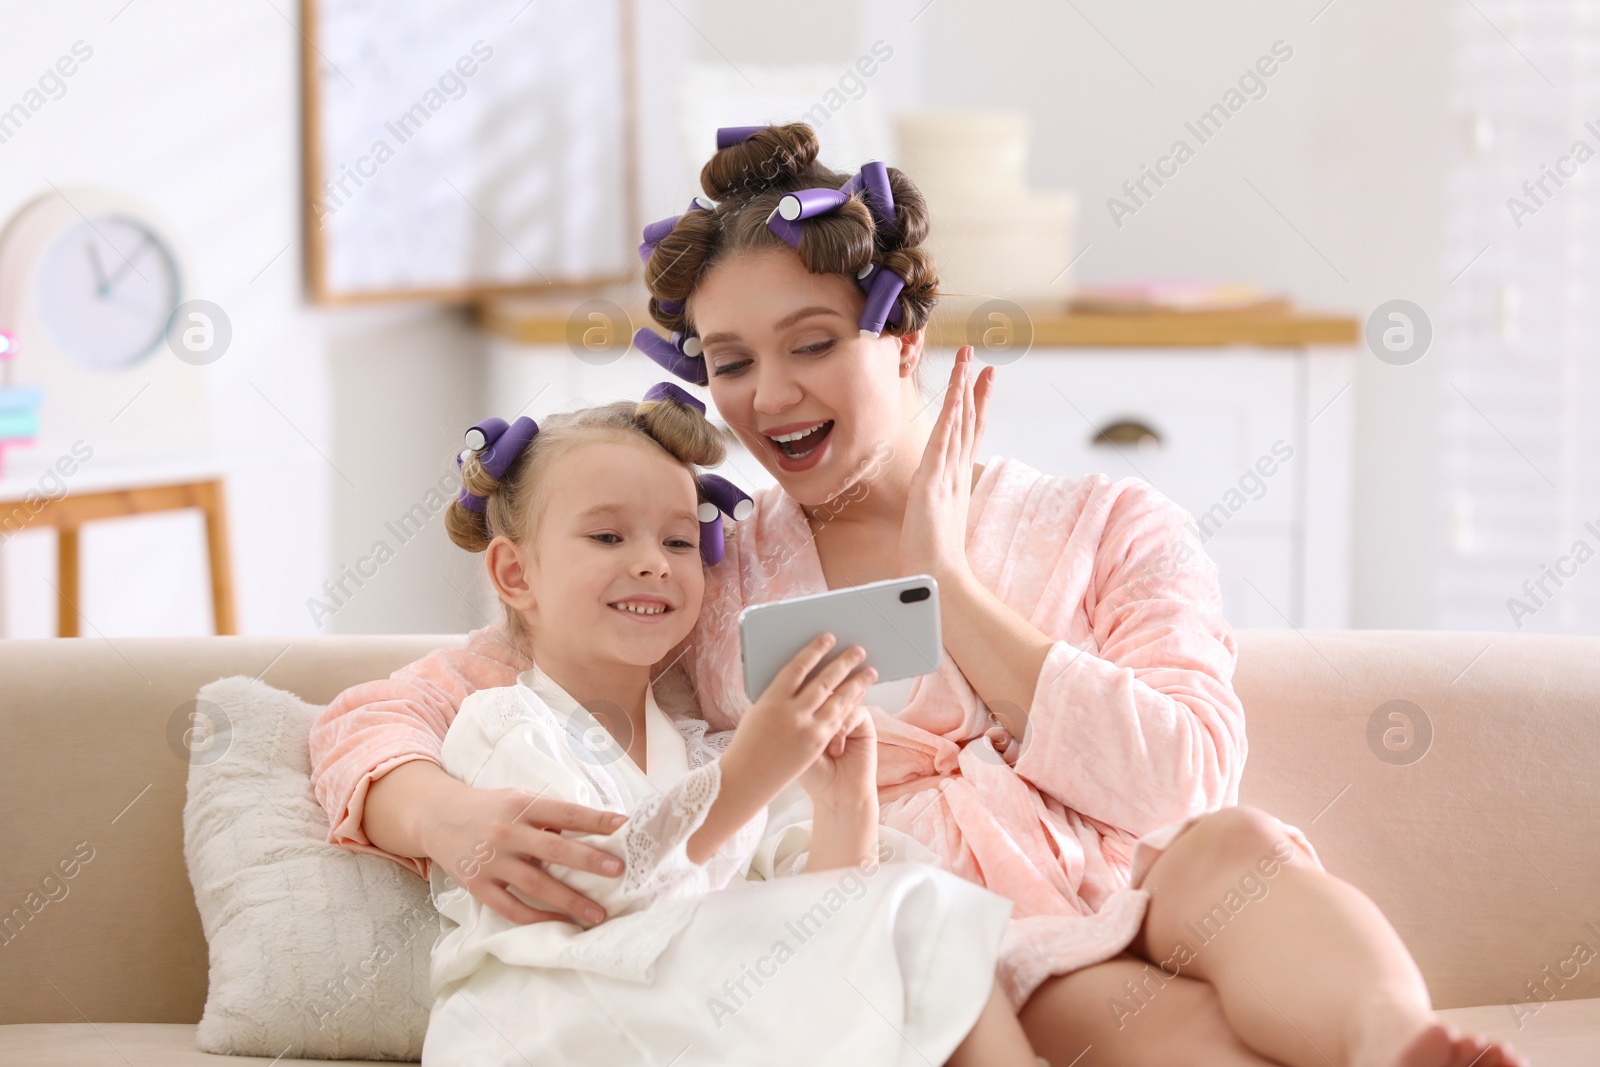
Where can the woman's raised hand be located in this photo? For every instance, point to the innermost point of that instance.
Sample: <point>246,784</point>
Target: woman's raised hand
<point>933,537</point>
<point>489,840</point>
<point>786,730</point>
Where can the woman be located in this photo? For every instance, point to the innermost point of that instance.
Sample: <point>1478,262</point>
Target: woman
<point>1152,917</point>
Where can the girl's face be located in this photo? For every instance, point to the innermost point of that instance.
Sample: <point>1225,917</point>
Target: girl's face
<point>613,572</point>
<point>785,357</point>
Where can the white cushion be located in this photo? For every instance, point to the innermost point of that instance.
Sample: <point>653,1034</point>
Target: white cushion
<point>315,951</point>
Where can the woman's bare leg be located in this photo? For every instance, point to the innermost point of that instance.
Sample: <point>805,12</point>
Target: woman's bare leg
<point>1307,969</point>
<point>1124,1011</point>
<point>996,1039</point>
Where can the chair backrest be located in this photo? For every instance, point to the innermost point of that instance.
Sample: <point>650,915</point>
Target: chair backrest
<point>1481,852</point>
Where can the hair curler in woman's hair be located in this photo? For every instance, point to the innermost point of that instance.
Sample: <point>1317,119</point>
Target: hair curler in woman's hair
<point>680,356</point>
<point>655,232</point>
<point>883,299</point>
<point>872,182</point>
<point>769,187</point>
<point>803,204</point>
<point>728,136</point>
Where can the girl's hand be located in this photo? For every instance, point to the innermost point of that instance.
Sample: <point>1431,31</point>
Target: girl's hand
<point>488,840</point>
<point>850,775</point>
<point>785,731</point>
<point>933,537</point>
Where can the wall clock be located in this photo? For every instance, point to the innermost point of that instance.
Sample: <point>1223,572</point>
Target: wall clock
<point>97,273</point>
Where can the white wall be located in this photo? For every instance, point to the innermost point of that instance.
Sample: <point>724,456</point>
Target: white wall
<point>194,108</point>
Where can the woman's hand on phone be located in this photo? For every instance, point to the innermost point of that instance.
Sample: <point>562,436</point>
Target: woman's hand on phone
<point>786,730</point>
<point>489,840</point>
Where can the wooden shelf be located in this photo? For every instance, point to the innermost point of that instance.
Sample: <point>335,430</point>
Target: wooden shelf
<point>545,322</point>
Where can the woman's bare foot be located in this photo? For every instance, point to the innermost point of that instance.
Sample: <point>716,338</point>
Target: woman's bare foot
<point>1405,1040</point>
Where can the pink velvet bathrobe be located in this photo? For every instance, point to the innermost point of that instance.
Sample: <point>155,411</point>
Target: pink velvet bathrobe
<point>1133,732</point>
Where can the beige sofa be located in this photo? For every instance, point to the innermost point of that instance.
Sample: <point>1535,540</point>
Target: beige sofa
<point>1480,852</point>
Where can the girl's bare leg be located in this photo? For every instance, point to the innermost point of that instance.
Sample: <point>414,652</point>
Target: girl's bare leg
<point>996,1040</point>
<point>1306,969</point>
<point>1125,1011</point>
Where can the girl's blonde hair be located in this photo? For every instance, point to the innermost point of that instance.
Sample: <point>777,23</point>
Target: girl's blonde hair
<point>514,503</point>
<point>747,180</point>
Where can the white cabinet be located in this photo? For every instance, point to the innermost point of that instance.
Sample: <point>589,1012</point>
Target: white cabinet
<point>1253,443</point>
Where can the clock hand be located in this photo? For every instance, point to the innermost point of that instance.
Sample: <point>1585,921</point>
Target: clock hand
<point>102,287</point>
<point>129,260</point>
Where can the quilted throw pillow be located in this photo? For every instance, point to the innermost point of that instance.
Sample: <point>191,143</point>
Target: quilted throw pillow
<point>315,951</point>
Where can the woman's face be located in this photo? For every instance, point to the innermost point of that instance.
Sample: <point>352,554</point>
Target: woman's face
<point>785,357</point>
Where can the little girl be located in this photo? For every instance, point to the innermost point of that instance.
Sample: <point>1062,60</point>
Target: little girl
<point>732,938</point>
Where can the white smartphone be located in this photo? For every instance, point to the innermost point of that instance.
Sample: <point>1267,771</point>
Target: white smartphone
<point>895,621</point>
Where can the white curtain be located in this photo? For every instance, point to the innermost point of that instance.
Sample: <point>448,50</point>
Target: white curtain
<point>1518,334</point>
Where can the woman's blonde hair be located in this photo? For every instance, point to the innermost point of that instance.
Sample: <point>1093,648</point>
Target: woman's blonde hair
<point>747,180</point>
<point>514,503</point>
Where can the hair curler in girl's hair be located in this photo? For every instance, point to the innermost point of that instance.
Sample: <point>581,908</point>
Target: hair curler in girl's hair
<point>722,497</point>
<point>498,445</point>
<point>662,390</point>
<point>718,495</point>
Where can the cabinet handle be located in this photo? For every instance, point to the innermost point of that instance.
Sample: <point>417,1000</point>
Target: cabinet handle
<point>1127,432</point>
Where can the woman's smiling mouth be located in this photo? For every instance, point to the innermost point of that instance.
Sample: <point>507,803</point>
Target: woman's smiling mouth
<point>798,441</point>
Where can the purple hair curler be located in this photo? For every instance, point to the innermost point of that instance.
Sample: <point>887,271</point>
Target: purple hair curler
<point>807,203</point>
<point>883,293</point>
<point>728,498</point>
<point>701,203</point>
<point>711,545</point>
<point>864,279</point>
<point>654,233</point>
<point>498,445</point>
<point>802,204</point>
<point>789,231</point>
<point>722,497</point>
<point>728,136</point>
<point>480,436</point>
<point>874,179</point>
<point>671,357</point>
<point>662,390</point>
<point>670,307</point>
<point>872,183</point>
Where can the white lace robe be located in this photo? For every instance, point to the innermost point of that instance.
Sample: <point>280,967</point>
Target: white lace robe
<point>677,967</point>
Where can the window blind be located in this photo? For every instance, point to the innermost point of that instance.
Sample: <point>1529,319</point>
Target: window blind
<point>1518,332</point>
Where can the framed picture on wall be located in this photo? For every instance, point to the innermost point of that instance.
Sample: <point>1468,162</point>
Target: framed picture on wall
<point>470,149</point>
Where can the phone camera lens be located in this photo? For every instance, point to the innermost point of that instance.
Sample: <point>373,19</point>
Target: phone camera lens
<point>911,596</point>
